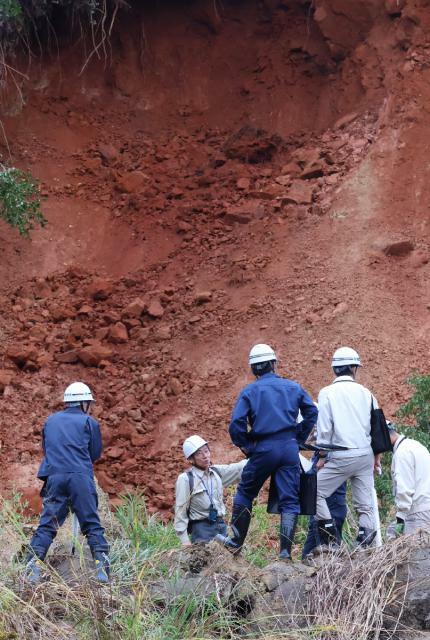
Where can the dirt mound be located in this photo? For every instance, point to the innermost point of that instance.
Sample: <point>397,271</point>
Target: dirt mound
<point>263,179</point>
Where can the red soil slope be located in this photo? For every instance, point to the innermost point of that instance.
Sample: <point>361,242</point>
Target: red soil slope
<point>255,175</point>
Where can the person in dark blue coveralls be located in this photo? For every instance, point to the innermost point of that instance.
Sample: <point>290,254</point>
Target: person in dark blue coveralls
<point>264,426</point>
<point>71,443</point>
<point>338,510</point>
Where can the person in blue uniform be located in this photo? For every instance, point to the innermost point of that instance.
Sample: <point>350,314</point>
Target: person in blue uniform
<point>71,444</point>
<point>264,426</point>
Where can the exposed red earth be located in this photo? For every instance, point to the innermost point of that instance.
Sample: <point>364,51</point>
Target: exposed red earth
<point>253,173</point>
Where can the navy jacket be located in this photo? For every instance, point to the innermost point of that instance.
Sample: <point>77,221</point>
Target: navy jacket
<point>71,443</point>
<point>270,406</point>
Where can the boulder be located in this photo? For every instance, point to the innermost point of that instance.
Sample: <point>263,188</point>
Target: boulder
<point>24,356</point>
<point>5,379</point>
<point>203,296</point>
<point>118,333</point>
<point>399,249</point>
<point>133,182</point>
<point>299,193</point>
<point>67,357</point>
<point>155,308</point>
<point>100,289</point>
<point>135,308</point>
<point>92,355</point>
<point>252,145</point>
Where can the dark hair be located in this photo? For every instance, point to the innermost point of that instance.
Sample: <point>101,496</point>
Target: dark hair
<point>344,370</point>
<point>260,368</point>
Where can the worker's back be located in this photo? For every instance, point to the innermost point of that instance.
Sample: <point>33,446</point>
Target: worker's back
<point>71,442</point>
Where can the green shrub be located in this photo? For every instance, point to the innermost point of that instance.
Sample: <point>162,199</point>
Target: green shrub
<point>20,200</point>
<point>418,407</point>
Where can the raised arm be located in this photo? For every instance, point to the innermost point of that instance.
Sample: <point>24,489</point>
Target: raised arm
<point>182,505</point>
<point>310,416</point>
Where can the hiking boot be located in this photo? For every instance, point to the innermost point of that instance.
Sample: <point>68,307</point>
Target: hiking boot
<point>240,519</point>
<point>286,534</point>
<point>101,560</point>
<point>33,571</point>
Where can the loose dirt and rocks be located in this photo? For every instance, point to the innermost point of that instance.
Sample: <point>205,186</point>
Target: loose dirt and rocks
<point>258,174</point>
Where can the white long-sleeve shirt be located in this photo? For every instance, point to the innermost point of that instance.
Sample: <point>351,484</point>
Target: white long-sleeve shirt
<point>411,478</point>
<point>344,417</point>
<point>195,506</point>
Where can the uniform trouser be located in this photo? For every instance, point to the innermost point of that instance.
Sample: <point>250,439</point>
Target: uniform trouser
<point>415,521</point>
<point>359,470</point>
<point>62,492</point>
<point>205,531</point>
<point>279,456</point>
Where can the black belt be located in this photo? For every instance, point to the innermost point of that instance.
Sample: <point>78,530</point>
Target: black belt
<point>219,519</point>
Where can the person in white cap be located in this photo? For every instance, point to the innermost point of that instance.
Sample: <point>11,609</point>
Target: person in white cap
<point>344,421</point>
<point>199,503</point>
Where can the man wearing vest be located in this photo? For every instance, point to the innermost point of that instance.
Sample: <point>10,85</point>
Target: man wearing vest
<point>411,483</point>
<point>344,420</point>
<point>264,426</point>
<point>199,505</point>
<point>71,443</point>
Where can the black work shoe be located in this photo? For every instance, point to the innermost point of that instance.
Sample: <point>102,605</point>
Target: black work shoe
<point>365,537</point>
<point>286,534</point>
<point>327,533</point>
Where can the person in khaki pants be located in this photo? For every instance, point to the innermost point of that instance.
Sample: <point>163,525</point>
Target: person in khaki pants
<point>344,421</point>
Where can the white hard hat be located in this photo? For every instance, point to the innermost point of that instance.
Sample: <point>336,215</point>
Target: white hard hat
<point>78,392</point>
<point>192,444</point>
<point>261,353</point>
<point>345,356</point>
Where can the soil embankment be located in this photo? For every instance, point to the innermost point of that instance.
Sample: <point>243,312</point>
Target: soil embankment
<point>256,173</point>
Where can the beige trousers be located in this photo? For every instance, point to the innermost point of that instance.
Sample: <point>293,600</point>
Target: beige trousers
<point>359,471</point>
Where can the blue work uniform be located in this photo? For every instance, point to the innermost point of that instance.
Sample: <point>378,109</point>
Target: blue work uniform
<point>264,425</point>
<point>71,443</point>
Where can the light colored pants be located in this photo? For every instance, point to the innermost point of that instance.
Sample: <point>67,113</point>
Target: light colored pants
<point>415,521</point>
<point>359,471</point>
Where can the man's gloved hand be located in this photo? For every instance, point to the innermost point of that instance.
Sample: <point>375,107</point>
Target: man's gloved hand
<point>400,527</point>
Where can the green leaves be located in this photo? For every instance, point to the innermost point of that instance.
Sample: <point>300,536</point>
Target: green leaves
<point>418,407</point>
<point>10,10</point>
<point>20,200</point>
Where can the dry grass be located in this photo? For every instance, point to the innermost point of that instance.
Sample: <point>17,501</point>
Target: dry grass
<point>354,593</point>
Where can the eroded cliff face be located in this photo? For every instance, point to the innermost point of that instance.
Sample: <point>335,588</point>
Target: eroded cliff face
<point>252,172</point>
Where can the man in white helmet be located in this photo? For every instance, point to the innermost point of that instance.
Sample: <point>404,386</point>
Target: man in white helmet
<point>344,420</point>
<point>264,426</point>
<point>199,505</point>
<point>71,443</point>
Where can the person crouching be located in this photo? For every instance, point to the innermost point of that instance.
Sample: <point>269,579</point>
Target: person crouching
<point>199,505</point>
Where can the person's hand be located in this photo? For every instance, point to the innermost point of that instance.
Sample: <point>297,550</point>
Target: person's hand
<point>377,468</point>
<point>186,544</point>
<point>321,462</point>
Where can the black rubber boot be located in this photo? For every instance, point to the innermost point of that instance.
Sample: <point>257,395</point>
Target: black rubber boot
<point>240,519</point>
<point>287,531</point>
<point>365,537</point>
<point>327,533</point>
<point>101,561</point>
